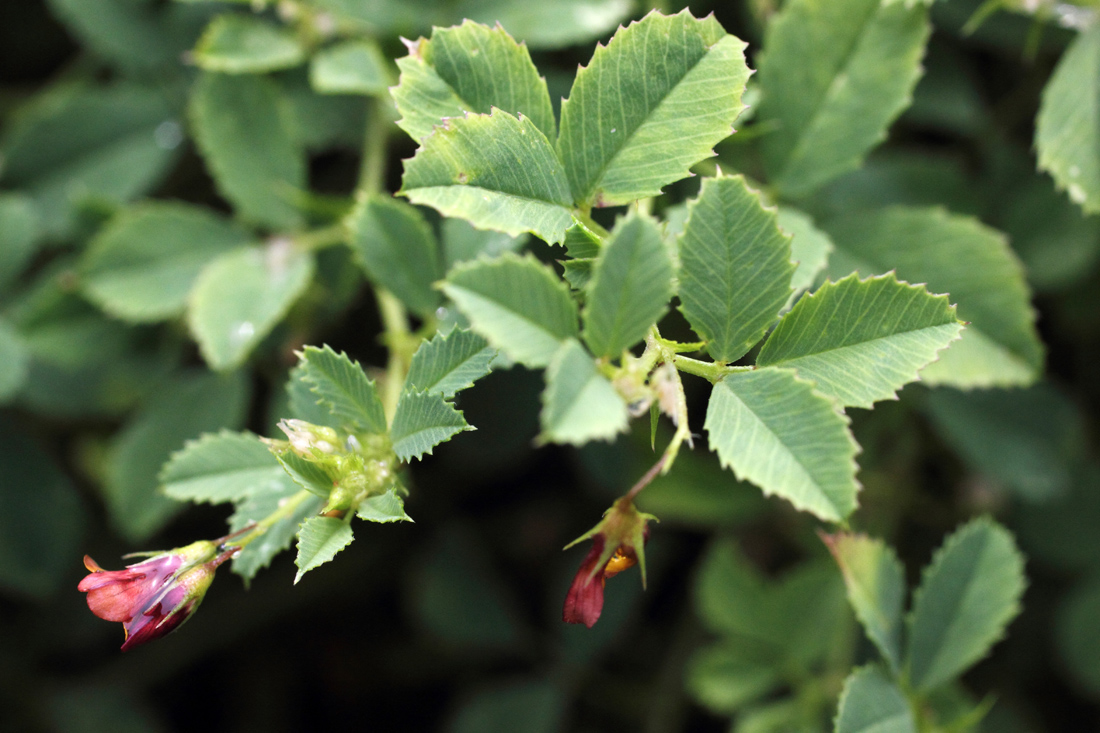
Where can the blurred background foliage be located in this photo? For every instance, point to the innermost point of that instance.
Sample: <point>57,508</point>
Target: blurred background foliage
<point>453,623</point>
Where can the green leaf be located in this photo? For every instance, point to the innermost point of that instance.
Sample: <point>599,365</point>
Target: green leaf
<point>307,474</point>
<point>398,250</point>
<point>343,387</point>
<point>833,77</point>
<point>303,403</point>
<point>968,594</point>
<point>1031,440</point>
<point>1067,131</point>
<point>449,363</point>
<point>259,506</point>
<point>36,557</point>
<point>810,247</point>
<point>649,105</point>
<point>185,407</point>
<point>875,580</point>
<point>872,703</point>
<point>221,467</point>
<point>462,242</point>
<point>726,676</point>
<point>79,143</point>
<point>19,231</point>
<point>860,341</point>
<point>773,429</point>
<point>469,68</point>
<point>579,404</point>
<point>1077,635</point>
<point>351,67</point>
<point>319,539</point>
<point>239,297</point>
<point>972,264</point>
<point>384,508</point>
<point>630,287</point>
<point>235,43</point>
<point>248,146</point>
<point>422,421</point>
<point>142,265</point>
<point>551,24</point>
<point>517,303</point>
<point>495,171</point>
<point>735,268</point>
<point>14,361</point>
<point>136,37</point>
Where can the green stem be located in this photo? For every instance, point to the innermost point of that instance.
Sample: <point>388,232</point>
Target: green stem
<point>286,509</point>
<point>706,369</point>
<point>395,325</point>
<point>372,168</point>
<point>320,238</point>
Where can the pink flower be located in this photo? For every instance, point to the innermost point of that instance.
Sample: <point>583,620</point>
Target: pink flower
<point>618,543</point>
<point>153,597</point>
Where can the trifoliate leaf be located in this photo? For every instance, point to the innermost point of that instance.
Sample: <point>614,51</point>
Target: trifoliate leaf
<point>384,508</point>
<point>872,703</point>
<point>735,268</point>
<point>810,247</point>
<point>235,43</point>
<point>343,388</point>
<point>497,172</point>
<point>220,467</point>
<point>862,340</point>
<point>773,429</point>
<point>579,403</point>
<point>294,507</point>
<point>630,287</point>
<point>517,303</point>
<point>648,106</point>
<point>469,68</point>
<point>422,421</point>
<point>319,539</point>
<point>449,363</point>
<point>351,67</point>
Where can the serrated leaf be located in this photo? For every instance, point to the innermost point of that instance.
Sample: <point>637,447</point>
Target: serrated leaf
<point>351,67</point>
<point>876,586</point>
<point>19,231</point>
<point>648,106</point>
<point>306,474</point>
<point>222,467</point>
<point>860,341</point>
<point>735,268</point>
<point>260,551</point>
<point>319,539</point>
<point>76,143</point>
<point>973,264</point>
<point>384,508</point>
<point>394,244</point>
<point>239,297</point>
<point>833,77</point>
<point>630,287</point>
<point>517,303</point>
<point>1067,131</point>
<point>422,421</point>
<point>773,429</point>
<point>968,595</point>
<point>14,361</point>
<point>249,147</point>
<point>579,404</point>
<point>497,172</point>
<point>303,403</point>
<point>186,406</point>
<point>578,273</point>
<point>469,68</point>
<point>344,388</point>
<point>872,703</point>
<point>235,43</point>
<point>810,248</point>
<point>462,242</point>
<point>142,265</point>
<point>449,363</point>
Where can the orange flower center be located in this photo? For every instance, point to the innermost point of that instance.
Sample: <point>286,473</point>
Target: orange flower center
<point>619,562</point>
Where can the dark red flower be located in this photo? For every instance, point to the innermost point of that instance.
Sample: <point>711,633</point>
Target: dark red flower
<point>618,543</point>
<point>153,597</point>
